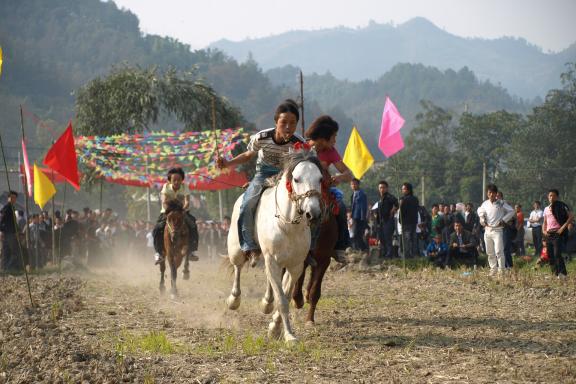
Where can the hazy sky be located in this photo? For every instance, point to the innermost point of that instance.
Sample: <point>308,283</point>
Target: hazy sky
<point>549,24</point>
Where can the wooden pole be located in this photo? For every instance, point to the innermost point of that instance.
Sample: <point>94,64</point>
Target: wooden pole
<point>483,181</point>
<point>423,203</point>
<point>16,225</point>
<point>302,102</point>
<point>26,207</point>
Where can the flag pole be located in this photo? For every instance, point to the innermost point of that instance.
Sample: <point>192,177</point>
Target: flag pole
<point>60,232</point>
<point>26,206</point>
<point>16,224</point>
<point>52,223</point>
<point>302,102</point>
<point>217,154</point>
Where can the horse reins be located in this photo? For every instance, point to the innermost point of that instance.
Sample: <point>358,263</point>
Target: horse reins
<point>297,199</point>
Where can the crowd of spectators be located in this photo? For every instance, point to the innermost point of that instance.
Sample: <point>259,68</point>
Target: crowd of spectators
<point>449,234</point>
<point>89,237</point>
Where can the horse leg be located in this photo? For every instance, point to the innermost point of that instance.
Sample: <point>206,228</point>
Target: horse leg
<point>186,275</point>
<point>309,286</point>
<point>173,276</point>
<point>233,301</point>
<point>282,290</point>
<point>297,297</point>
<point>267,302</point>
<point>316,289</point>
<point>162,270</point>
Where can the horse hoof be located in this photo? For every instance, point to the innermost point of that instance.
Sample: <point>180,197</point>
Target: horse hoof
<point>162,289</point>
<point>173,296</point>
<point>266,307</point>
<point>298,303</point>
<point>233,302</point>
<point>186,275</point>
<point>291,340</point>
<point>310,324</point>
<point>274,331</point>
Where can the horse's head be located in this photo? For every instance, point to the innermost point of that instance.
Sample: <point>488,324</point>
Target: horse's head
<point>174,219</point>
<point>304,182</point>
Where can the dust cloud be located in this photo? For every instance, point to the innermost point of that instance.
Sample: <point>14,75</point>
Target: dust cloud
<point>201,299</point>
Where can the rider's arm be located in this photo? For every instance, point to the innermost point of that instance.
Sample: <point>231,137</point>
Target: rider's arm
<point>186,202</point>
<point>345,175</point>
<point>240,159</point>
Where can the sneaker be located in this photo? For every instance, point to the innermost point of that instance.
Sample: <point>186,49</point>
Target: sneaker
<point>492,272</point>
<point>340,256</point>
<point>561,276</point>
<point>310,260</point>
<point>158,258</point>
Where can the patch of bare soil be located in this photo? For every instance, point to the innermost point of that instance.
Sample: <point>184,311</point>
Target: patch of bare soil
<point>375,325</point>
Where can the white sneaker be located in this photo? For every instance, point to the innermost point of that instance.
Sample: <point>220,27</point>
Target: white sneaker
<point>561,276</point>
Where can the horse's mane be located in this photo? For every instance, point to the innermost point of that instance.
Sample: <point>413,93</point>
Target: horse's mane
<point>173,205</point>
<point>292,159</point>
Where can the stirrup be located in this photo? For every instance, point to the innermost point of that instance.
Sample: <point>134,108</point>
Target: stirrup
<point>253,256</point>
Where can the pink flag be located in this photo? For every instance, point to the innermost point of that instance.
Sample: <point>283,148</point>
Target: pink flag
<point>390,140</point>
<point>27,168</point>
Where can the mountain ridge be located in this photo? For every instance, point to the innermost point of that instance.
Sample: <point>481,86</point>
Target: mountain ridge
<point>367,53</point>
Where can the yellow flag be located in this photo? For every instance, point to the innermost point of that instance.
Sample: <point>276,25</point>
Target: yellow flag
<point>43,187</point>
<point>0,60</point>
<point>356,156</point>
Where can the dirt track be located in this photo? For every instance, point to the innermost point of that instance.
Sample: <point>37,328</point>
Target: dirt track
<point>428,326</point>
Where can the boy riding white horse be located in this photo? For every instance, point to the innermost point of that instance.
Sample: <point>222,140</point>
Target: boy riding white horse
<point>270,145</point>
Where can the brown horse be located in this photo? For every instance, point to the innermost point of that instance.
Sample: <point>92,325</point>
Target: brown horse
<point>322,254</point>
<point>175,246</point>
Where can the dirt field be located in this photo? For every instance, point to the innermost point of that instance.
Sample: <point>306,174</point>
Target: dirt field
<point>381,326</point>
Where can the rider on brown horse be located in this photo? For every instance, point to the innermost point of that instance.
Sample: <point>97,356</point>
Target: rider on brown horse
<point>174,189</point>
<point>321,136</point>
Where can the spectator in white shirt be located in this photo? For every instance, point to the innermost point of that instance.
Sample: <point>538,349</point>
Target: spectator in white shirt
<point>535,222</point>
<point>493,214</point>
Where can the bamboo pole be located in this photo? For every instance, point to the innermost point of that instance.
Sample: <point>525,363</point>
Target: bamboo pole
<point>16,225</point>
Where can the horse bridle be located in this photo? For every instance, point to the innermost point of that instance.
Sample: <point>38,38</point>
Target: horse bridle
<point>297,199</point>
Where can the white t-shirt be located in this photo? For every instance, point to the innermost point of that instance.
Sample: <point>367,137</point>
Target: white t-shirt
<point>170,194</point>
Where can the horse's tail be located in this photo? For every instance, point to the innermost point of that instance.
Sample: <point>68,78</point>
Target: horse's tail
<point>227,265</point>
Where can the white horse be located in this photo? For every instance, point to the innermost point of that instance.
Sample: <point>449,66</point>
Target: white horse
<point>282,228</point>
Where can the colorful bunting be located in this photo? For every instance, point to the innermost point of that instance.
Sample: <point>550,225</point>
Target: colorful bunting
<point>144,159</point>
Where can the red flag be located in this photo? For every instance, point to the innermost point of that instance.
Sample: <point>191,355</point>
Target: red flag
<point>61,157</point>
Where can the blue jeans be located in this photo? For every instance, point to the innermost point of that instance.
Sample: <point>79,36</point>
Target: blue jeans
<point>248,207</point>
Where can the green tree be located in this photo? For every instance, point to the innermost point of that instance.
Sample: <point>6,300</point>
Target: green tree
<point>543,150</point>
<point>130,99</point>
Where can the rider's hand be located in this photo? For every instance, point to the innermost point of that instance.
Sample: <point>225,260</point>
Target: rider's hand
<point>221,162</point>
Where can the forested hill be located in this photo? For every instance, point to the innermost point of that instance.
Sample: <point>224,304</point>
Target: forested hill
<point>53,48</point>
<point>406,84</point>
<point>367,53</point>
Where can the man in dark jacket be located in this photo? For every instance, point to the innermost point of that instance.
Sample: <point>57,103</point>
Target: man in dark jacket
<point>463,245</point>
<point>387,206</point>
<point>8,233</point>
<point>409,220</point>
